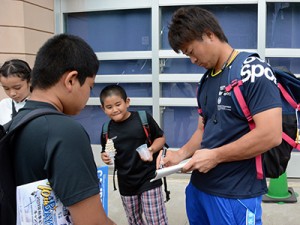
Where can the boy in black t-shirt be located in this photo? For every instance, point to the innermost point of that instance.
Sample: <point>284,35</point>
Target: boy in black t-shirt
<point>54,147</point>
<point>139,195</point>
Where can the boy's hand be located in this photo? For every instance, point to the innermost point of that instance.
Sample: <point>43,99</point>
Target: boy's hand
<point>105,158</point>
<point>150,156</point>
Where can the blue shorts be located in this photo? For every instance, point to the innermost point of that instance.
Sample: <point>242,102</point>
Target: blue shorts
<point>205,209</point>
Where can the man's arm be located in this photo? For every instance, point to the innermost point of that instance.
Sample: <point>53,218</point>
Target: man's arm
<point>89,211</point>
<point>266,135</point>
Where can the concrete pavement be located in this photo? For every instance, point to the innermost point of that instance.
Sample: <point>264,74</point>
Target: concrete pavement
<point>273,213</point>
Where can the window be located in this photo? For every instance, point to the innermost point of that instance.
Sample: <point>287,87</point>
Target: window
<point>165,83</point>
<point>283,22</point>
<point>117,30</point>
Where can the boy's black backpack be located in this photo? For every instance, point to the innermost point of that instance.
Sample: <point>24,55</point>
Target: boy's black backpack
<point>7,175</point>
<point>144,121</point>
<point>272,163</point>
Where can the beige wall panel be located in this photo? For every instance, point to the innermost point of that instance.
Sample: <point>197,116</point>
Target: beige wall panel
<point>24,27</point>
<point>11,13</point>
<point>38,18</point>
<point>49,4</point>
<point>12,40</point>
<point>34,40</point>
<point>20,40</point>
<point>5,57</point>
<point>18,13</point>
<point>28,58</point>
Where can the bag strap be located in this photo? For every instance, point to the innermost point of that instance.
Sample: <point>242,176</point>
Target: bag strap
<point>28,117</point>
<point>143,117</point>
<point>235,83</point>
<point>144,120</point>
<point>298,130</point>
<point>166,189</point>
<point>13,109</point>
<point>105,130</point>
<point>200,84</point>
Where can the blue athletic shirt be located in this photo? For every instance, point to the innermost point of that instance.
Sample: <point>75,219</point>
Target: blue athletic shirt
<point>224,124</point>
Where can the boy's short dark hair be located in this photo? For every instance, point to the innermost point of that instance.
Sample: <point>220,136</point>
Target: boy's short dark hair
<point>16,67</point>
<point>110,90</point>
<point>189,24</point>
<point>60,54</point>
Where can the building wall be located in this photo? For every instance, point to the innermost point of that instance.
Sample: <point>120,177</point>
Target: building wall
<point>24,27</point>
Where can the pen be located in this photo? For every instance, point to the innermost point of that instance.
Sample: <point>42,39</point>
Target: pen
<point>162,157</point>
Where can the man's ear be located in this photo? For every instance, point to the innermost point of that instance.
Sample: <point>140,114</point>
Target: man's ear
<point>210,35</point>
<point>70,79</point>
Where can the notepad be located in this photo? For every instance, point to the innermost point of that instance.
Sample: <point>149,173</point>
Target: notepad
<point>166,171</point>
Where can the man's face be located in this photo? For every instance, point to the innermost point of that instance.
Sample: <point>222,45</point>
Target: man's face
<point>200,52</point>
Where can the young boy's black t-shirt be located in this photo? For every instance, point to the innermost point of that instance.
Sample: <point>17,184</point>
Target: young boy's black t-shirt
<point>133,174</point>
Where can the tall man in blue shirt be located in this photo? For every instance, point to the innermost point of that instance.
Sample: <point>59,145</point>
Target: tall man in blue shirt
<point>224,189</point>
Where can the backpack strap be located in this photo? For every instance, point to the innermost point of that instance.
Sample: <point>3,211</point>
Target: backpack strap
<point>105,130</point>
<point>165,179</point>
<point>200,84</point>
<point>5,127</point>
<point>235,83</point>
<point>114,180</point>
<point>24,120</point>
<point>13,109</point>
<point>298,130</point>
<point>34,114</point>
<point>144,120</point>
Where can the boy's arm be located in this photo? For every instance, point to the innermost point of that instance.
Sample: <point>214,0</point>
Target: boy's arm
<point>157,144</point>
<point>89,211</point>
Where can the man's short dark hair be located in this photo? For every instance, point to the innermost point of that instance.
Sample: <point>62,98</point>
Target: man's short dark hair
<point>191,23</point>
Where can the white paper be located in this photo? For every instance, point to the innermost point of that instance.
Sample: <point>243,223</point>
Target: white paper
<point>37,204</point>
<point>168,170</point>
